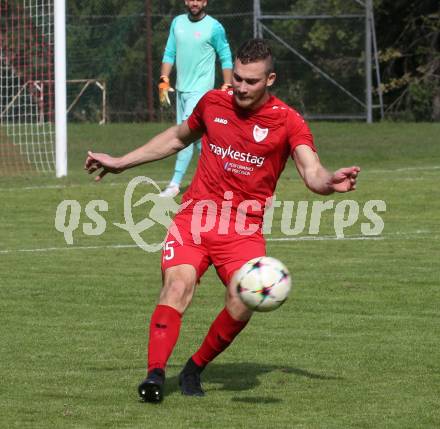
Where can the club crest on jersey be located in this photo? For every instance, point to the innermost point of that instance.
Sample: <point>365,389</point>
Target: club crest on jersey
<point>260,133</point>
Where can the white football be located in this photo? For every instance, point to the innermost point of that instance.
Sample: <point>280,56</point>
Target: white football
<point>263,283</point>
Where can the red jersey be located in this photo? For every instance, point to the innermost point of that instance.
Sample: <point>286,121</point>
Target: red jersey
<point>243,151</point>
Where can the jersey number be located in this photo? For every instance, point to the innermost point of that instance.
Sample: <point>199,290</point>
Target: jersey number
<point>169,250</point>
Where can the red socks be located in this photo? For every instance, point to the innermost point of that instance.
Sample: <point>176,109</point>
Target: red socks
<point>164,331</point>
<point>221,333</point>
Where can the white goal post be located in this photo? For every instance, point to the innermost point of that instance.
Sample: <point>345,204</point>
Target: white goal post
<point>60,88</point>
<point>33,122</point>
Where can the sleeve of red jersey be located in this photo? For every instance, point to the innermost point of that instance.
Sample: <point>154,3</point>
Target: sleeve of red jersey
<point>195,120</point>
<point>298,131</point>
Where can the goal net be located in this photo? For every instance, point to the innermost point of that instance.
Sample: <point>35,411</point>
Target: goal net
<point>27,86</point>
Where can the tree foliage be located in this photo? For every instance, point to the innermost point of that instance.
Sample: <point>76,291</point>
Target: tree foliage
<point>107,40</point>
<point>410,57</point>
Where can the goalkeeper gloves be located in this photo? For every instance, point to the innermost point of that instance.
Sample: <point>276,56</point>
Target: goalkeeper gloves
<point>164,89</point>
<point>225,87</point>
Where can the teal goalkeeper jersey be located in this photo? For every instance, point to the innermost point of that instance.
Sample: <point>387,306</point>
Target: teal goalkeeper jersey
<point>192,46</point>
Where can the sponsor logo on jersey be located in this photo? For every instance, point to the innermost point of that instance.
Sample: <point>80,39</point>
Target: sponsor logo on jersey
<point>260,133</point>
<point>221,121</point>
<point>244,170</point>
<point>237,155</point>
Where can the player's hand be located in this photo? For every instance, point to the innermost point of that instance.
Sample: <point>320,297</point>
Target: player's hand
<point>225,87</point>
<point>164,89</point>
<point>344,179</point>
<point>107,164</point>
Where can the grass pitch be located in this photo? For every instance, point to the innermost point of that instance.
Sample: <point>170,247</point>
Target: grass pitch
<point>356,346</point>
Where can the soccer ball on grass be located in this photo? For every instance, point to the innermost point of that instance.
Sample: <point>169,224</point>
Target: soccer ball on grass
<point>263,283</point>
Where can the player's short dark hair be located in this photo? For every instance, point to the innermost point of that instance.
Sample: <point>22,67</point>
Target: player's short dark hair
<point>255,50</point>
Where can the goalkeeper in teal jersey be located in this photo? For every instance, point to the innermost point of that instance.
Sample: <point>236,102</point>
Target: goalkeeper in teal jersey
<point>194,40</point>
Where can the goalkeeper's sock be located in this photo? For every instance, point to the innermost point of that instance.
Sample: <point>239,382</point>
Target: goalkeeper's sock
<point>221,333</point>
<point>183,160</point>
<point>164,331</point>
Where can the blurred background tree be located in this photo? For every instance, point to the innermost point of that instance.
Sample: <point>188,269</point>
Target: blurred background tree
<point>107,40</point>
<point>409,40</point>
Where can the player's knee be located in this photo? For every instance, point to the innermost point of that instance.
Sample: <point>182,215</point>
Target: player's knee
<point>177,293</point>
<point>236,308</point>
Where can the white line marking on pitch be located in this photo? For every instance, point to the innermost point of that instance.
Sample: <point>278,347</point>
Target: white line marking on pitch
<point>397,170</point>
<point>275,239</point>
<point>32,188</point>
<point>55,249</point>
<point>165,182</point>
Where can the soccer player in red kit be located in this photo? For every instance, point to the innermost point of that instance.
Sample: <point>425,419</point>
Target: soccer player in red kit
<point>247,137</point>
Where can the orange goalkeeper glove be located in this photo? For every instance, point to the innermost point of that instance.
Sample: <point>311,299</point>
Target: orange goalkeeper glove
<point>225,87</point>
<point>164,89</point>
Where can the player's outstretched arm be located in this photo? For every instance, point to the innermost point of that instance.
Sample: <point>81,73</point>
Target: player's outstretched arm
<point>320,180</point>
<point>164,144</point>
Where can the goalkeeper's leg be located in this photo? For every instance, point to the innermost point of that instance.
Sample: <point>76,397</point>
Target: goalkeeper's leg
<point>184,107</point>
<point>185,103</point>
<point>182,162</point>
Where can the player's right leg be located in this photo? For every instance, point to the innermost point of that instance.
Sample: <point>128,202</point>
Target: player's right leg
<point>175,297</point>
<point>183,263</point>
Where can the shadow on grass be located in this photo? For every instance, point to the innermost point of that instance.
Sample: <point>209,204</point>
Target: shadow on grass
<point>245,376</point>
<point>256,400</point>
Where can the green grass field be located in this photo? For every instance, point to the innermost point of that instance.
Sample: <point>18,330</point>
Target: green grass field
<point>356,346</point>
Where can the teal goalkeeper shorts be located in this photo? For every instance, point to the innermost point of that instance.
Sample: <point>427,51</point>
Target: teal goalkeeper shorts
<point>185,103</point>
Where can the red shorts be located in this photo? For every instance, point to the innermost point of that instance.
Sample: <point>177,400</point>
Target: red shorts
<point>227,252</point>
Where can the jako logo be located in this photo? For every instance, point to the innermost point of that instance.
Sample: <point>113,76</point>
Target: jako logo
<point>221,121</point>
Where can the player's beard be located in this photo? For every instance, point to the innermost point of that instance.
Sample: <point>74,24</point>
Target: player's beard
<point>196,12</point>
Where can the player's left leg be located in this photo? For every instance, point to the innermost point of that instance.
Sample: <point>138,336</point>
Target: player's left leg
<point>231,320</point>
<point>227,325</point>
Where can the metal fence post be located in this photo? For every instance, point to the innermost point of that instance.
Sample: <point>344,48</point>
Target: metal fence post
<point>368,62</point>
<point>258,32</point>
